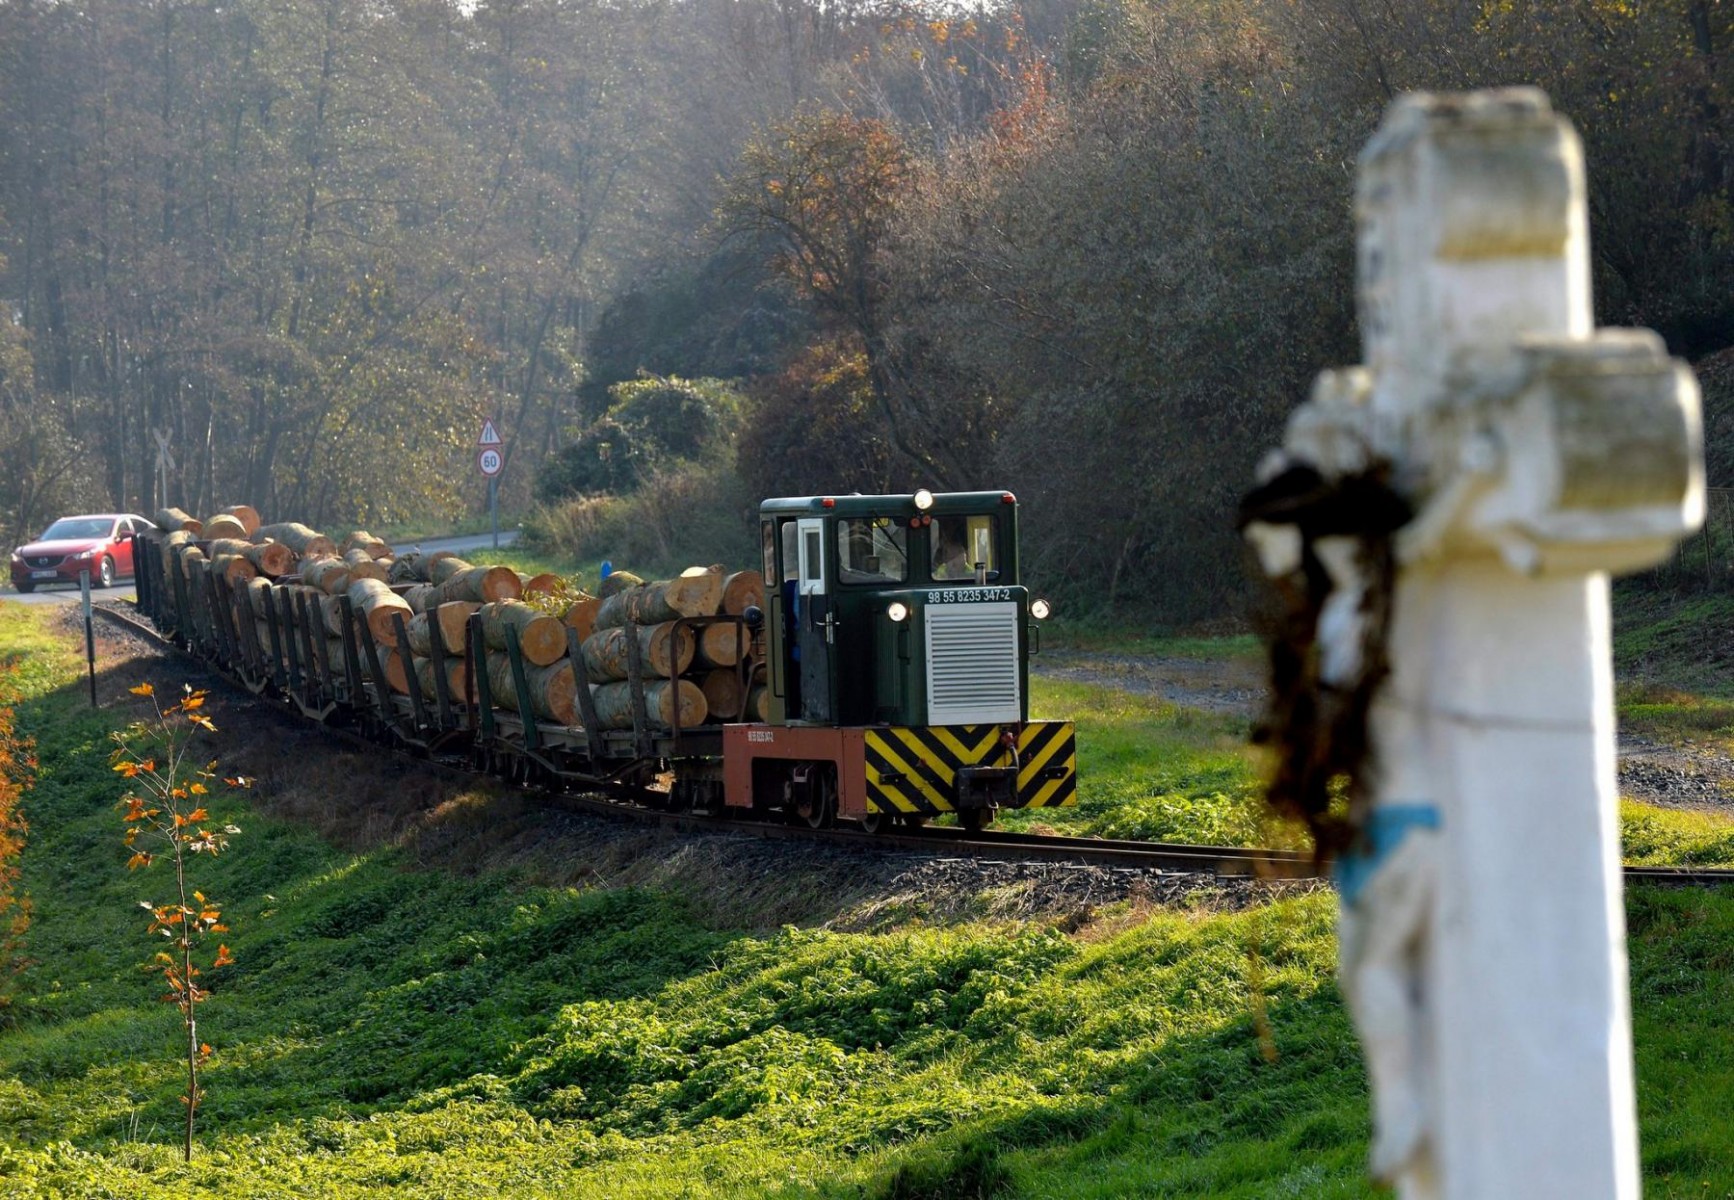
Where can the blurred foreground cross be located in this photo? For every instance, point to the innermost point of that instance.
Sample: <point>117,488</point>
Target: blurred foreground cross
<point>1483,936</point>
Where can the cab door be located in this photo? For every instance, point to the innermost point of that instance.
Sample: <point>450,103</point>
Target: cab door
<point>815,624</point>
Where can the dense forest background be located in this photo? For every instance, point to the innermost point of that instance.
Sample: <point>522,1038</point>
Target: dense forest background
<point>694,252</point>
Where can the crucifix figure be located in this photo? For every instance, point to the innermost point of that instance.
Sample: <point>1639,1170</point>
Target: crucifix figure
<point>1531,455</point>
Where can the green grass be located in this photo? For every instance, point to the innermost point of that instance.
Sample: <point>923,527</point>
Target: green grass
<point>1095,637</point>
<point>1667,837</point>
<point>397,1032</point>
<point>1149,768</point>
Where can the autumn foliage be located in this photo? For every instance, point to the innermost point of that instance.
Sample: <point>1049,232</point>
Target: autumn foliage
<point>17,767</point>
<point>166,820</point>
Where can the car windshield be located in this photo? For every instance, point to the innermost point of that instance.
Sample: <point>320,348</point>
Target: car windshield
<point>70,528</point>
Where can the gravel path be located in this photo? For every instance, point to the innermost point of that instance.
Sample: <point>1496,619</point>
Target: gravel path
<point>1232,686</point>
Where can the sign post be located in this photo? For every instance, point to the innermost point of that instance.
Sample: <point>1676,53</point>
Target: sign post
<point>89,631</point>
<point>1482,925</point>
<point>165,464</point>
<point>489,460</point>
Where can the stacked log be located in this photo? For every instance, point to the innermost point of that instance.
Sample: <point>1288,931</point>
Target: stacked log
<point>541,638</point>
<point>553,689</point>
<point>743,590</point>
<point>246,514</point>
<point>273,559</point>
<point>329,575</point>
<point>458,580</point>
<point>223,525</point>
<point>375,603</point>
<point>665,702</point>
<point>303,541</point>
<point>360,539</point>
<point>363,565</point>
<point>171,520</point>
<point>664,651</point>
<point>696,663</point>
<point>697,595</point>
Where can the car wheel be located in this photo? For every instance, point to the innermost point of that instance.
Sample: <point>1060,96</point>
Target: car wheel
<point>105,573</point>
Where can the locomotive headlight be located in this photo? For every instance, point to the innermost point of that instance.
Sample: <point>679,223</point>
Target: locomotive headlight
<point>923,500</point>
<point>1039,609</point>
<point>897,610</point>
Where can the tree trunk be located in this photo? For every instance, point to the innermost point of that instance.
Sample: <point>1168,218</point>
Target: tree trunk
<point>244,513</point>
<point>742,590</point>
<point>541,638</point>
<point>758,703</point>
<point>553,689</point>
<point>302,540</point>
<point>234,567</point>
<point>481,585</point>
<point>223,525</point>
<point>663,651</point>
<point>723,695</point>
<point>453,618</point>
<point>581,616</point>
<point>545,584</point>
<point>722,645</point>
<point>360,539</point>
<point>614,704</point>
<point>329,575</point>
<point>363,565</point>
<point>619,581</point>
<point>376,603</point>
<point>653,603</point>
<point>272,558</point>
<point>457,677</point>
<point>170,519</point>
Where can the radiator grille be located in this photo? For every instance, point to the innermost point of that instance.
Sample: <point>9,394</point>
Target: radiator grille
<point>44,560</point>
<point>972,664</point>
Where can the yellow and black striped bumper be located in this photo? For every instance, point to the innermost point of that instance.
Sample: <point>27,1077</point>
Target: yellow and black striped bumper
<point>914,770</point>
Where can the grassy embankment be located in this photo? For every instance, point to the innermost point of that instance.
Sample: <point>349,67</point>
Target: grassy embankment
<point>392,1031</point>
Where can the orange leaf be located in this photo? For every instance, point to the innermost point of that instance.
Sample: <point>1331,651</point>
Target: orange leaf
<point>140,859</point>
<point>193,701</point>
<point>143,689</point>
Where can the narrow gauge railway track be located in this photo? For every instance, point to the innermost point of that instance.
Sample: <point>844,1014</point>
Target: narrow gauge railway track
<point>649,805</point>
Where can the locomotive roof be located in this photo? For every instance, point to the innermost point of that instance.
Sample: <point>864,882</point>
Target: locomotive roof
<point>895,505</point>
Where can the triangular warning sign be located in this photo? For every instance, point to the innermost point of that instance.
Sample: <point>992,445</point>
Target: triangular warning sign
<point>490,435</point>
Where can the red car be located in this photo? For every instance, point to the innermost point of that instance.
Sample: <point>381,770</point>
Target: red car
<point>101,544</point>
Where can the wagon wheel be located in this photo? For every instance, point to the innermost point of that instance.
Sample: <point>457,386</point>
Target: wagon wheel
<point>876,822</point>
<point>974,819</point>
<point>818,809</point>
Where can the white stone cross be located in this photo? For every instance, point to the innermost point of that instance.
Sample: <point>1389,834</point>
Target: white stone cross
<point>1483,931</point>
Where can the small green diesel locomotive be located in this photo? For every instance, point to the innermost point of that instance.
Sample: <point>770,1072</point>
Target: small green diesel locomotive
<point>897,643</point>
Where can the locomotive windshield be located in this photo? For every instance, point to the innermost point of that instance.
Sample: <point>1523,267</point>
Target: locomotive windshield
<point>872,550</point>
<point>962,544</point>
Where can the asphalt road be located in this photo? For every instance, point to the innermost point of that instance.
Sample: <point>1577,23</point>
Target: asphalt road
<point>68,593</point>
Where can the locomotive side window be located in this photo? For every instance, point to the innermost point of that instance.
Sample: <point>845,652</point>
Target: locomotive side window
<point>961,544</point>
<point>814,566</point>
<point>791,552</point>
<point>768,549</point>
<point>871,550</point>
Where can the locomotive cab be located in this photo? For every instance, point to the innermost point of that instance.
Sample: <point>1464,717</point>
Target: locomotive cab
<point>899,610</point>
<point>897,645</point>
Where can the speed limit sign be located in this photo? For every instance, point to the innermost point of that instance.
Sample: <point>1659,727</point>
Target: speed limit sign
<point>490,461</point>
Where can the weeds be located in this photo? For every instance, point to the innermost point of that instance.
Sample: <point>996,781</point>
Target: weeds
<point>17,766</point>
